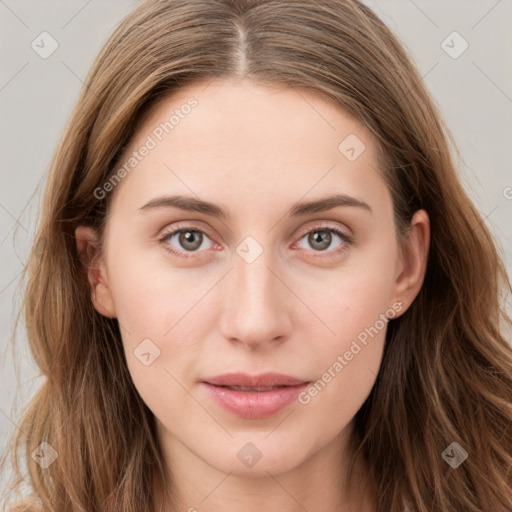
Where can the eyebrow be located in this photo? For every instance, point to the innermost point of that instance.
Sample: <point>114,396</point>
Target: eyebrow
<point>193,204</point>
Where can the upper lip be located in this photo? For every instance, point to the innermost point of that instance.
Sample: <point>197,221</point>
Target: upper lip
<point>254,381</point>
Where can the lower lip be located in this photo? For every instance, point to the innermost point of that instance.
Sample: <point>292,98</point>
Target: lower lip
<point>254,404</point>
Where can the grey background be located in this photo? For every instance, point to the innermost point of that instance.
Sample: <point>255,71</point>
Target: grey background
<point>473,92</point>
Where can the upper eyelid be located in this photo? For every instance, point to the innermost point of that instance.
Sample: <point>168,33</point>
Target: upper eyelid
<point>318,225</point>
<point>182,227</point>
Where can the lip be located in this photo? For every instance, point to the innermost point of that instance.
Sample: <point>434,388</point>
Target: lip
<point>254,403</point>
<point>253,381</point>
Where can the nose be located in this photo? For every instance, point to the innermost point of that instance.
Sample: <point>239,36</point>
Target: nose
<point>256,304</point>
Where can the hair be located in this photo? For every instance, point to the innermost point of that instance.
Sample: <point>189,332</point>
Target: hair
<point>446,373</point>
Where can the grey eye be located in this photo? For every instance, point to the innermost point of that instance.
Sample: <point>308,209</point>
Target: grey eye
<point>321,239</point>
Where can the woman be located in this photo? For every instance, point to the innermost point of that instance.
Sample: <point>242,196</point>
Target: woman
<point>258,282</point>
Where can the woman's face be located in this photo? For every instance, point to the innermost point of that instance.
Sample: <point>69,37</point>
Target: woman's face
<point>265,287</point>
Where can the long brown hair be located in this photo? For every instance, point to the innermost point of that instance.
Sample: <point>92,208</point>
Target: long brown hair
<point>446,374</point>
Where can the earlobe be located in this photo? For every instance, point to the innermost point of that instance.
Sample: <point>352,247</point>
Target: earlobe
<point>88,249</point>
<point>415,248</point>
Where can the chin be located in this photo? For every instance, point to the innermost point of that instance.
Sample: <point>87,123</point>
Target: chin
<point>258,455</point>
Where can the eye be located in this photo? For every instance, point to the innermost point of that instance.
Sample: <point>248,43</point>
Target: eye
<point>189,239</point>
<point>321,237</point>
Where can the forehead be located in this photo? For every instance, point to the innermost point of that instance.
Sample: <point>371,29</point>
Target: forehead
<point>233,137</point>
<point>252,113</point>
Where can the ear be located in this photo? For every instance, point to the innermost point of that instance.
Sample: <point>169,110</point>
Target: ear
<point>88,249</point>
<point>413,260</point>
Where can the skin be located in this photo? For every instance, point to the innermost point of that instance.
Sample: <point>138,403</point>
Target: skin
<point>255,151</point>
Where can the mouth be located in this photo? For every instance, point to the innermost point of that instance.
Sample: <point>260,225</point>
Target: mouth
<point>254,397</point>
<point>262,381</point>
<point>246,388</point>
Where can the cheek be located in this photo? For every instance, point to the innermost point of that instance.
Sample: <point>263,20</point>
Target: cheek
<point>158,310</point>
<point>350,299</point>
<point>149,296</point>
<point>348,361</point>
<point>354,305</point>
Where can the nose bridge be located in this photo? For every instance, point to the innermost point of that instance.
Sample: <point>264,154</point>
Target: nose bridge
<point>254,311</point>
<point>254,279</point>
<point>254,254</point>
<point>255,283</point>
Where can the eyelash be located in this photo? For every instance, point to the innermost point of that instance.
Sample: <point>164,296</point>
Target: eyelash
<point>348,239</point>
